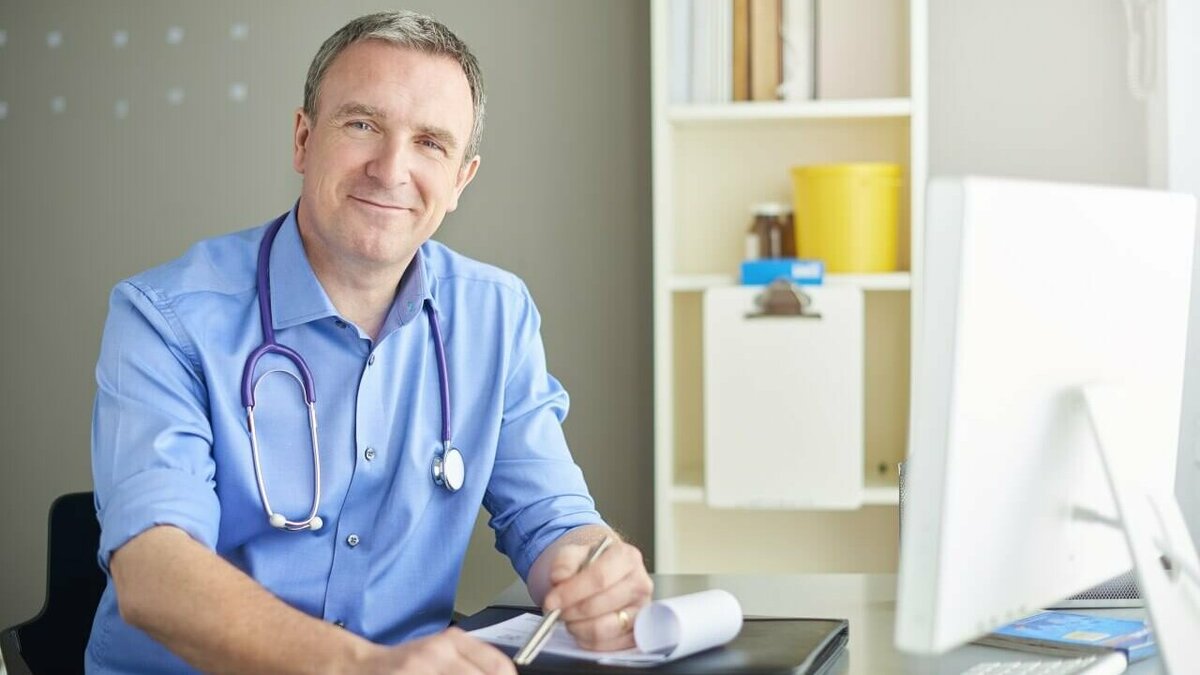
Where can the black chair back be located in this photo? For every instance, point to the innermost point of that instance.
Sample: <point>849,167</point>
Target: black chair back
<point>54,640</point>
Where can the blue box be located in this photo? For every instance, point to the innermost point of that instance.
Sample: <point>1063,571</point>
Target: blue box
<point>798,270</point>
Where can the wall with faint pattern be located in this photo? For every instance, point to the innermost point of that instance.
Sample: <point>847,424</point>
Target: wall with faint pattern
<point>130,129</point>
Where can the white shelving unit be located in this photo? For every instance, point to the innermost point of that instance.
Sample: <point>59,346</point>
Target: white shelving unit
<point>898,281</point>
<point>711,162</point>
<point>790,110</point>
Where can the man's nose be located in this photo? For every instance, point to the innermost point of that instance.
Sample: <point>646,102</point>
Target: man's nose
<point>392,164</point>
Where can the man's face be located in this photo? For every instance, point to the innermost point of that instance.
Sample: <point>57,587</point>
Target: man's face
<point>383,159</point>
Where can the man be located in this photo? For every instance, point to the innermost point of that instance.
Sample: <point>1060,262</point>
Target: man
<point>221,555</point>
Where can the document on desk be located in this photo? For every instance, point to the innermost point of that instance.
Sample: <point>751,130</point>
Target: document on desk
<point>664,631</point>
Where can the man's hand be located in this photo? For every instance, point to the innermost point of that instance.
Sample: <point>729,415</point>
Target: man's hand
<point>451,652</point>
<point>599,603</point>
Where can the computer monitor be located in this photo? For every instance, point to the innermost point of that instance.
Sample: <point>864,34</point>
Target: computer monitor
<point>1050,342</point>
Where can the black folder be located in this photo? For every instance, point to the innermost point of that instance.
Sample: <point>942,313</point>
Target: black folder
<point>765,646</point>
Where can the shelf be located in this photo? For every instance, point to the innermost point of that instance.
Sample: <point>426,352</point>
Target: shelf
<point>690,490</point>
<point>895,281</point>
<point>788,110</point>
<point>881,495</point>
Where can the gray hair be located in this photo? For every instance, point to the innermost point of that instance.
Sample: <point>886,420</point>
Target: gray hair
<point>405,29</point>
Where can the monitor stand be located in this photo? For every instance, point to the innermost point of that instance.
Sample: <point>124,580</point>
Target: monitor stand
<point>1164,557</point>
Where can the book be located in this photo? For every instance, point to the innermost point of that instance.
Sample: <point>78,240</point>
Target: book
<point>798,270</point>
<point>766,55</point>
<point>681,51</point>
<point>799,50</point>
<point>741,50</point>
<point>712,51</point>
<point>1068,634</point>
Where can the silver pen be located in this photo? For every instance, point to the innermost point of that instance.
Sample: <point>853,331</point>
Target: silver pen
<point>542,635</point>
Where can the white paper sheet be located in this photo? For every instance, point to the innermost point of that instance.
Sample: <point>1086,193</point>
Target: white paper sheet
<point>664,631</point>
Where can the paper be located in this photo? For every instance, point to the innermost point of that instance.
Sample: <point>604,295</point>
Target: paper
<point>664,631</point>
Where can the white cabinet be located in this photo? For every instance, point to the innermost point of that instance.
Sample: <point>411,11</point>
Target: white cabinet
<point>728,497</point>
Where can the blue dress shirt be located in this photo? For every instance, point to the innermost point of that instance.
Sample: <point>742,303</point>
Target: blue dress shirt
<point>170,444</point>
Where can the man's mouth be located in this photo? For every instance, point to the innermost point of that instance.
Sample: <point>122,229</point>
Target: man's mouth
<point>377,204</point>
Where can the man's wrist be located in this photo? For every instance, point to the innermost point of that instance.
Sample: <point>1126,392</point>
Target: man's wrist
<point>351,655</point>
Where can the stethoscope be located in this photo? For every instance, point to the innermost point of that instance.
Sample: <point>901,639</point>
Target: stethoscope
<point>449,469</point>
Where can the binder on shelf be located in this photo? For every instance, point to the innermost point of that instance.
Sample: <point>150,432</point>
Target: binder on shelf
<point>741,50</point>
<point>799,50</point>
<point>680,43</point>
<point>797,270</point>
<point>859,53</point>
<point>712,51</point>
<point>765,53</point>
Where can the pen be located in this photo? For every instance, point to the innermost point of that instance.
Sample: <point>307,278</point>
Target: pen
<point>542,635</point>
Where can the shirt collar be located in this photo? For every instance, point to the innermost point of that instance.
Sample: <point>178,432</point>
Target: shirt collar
<point>297,295</point>
<point>411,295</point>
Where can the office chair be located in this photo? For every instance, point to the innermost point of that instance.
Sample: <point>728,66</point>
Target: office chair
<point>54,640</point>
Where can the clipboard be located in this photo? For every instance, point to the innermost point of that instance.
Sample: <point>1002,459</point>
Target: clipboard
<point>765,646</point>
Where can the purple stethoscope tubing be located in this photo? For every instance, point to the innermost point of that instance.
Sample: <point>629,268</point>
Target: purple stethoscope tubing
<point>448,465</point>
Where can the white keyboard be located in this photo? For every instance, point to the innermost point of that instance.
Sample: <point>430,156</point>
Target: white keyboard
<point>1100,664</point>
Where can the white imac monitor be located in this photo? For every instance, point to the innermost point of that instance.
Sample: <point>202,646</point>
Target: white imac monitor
<point>1050,345</point>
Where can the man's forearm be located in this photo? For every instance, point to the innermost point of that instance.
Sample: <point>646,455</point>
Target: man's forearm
<point>215,617</point>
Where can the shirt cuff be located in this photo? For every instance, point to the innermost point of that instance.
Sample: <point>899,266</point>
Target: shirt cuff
<point>570,512</point>
<point>158,497</point>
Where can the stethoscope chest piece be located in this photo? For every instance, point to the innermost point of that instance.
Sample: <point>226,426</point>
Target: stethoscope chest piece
<point>449,469</point>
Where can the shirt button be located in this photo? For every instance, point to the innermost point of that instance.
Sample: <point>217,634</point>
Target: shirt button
<point>371,360</point>
<point>369,454</point>
<point>339,623</point>
<point>352,540</point>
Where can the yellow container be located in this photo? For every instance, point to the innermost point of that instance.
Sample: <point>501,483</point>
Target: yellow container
<point>847,215</point>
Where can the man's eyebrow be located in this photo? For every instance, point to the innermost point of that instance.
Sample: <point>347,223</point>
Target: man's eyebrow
<point>359,110</point>
<point>440,135</point>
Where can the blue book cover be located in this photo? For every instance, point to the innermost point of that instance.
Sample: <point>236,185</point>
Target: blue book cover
<point>1066,633</point>
<point>797,270</point>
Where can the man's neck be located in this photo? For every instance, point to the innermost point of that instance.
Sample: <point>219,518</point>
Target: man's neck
<point>362,294</point>
<point>362,299</point>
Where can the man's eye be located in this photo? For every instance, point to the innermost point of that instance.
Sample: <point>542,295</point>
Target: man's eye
<point>432,145</point>
<point>359,125</point>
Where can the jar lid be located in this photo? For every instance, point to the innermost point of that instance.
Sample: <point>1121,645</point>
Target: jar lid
<point>849,168</point>
<point>770,209</point>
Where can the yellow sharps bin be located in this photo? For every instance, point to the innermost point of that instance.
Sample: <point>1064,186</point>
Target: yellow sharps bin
<point>847,215</point>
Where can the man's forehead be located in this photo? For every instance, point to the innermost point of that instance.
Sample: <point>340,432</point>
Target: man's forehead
<point>370,61</point>
<point>364,77</point>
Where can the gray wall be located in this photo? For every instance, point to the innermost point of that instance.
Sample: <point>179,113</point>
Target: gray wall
<point>562,199</point>
<point>1033,89</point>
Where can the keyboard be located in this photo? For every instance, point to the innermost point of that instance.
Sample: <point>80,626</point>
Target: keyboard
<point>1099,664</point>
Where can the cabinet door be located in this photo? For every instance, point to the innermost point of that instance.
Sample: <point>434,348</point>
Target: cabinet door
<point>783,402</point>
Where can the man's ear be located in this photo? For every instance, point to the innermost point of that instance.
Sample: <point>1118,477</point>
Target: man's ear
<point>465,175</point>
<point>300,135</point>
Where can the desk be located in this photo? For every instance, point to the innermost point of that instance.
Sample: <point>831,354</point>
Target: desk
<point>867,600</point>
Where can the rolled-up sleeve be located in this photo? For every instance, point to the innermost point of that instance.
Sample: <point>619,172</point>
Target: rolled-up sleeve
<point>151,437</point>
<point>536,492</point>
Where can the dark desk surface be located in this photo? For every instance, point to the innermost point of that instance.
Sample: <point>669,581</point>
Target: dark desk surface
<point>868,601</point>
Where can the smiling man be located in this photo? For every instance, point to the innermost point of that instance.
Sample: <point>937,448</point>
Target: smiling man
<point>241,535</point>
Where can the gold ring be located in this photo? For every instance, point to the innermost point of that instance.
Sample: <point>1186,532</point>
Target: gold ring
<point>623,619</point>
